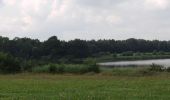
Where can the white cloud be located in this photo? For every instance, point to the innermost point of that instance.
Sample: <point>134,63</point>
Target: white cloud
<point>10,2</point>
<point>59,8</point>
<point>28,20</point>
<point>158,4</point>
<point>31,5</point>
<point>87,19</point>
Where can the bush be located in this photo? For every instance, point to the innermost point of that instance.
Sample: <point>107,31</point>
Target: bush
<point>56,68</point>
<point>60,68</point>
<point>41,69</point>
<point>168,69</point>
<point>70,68</point>
<point>93,67</point>
<point>9,64</point>
<point>128,53</point>
<point>156,68</point>
<point>28,65</point>
<point>154,52</point>
<point>114,55</point>
<point>52,68</point>
<point>161,53</point>
<point>76,69</point>
<point>138,54</point>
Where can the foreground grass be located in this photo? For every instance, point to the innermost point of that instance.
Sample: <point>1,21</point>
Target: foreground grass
<point>84,87</point>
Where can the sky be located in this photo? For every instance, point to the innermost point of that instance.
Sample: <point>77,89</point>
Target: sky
<point>85,19</point>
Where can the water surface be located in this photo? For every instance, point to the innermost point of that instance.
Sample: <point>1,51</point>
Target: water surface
<point>164,62</point>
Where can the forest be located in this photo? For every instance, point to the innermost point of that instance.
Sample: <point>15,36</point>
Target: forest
<point>54,49</point>
<point>23,54</point>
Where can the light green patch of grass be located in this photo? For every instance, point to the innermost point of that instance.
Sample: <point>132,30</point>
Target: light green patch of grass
<point>130,71</point>
<point>96,87</point>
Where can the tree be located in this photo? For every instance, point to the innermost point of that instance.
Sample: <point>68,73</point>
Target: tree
<point>9,64</point>
<point>78,48</point>
<point>51,48</point>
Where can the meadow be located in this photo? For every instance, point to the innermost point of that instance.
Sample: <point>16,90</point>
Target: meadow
<point>34,80</point>
<point>84,87</point>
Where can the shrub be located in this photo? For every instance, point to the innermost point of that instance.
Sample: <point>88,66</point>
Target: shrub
<point>138,54</point>
<point>54,68</point>
<point>69,68</point>
<point>161,53</point>
<point>76,69</point>
<point>28,65</point>
<point>93,67</point>
<point>157,68</point>
<point>41,69</point>
<point>9,64</point>
<point>168,69</point>
<point>114,55</point>
<point>154,52</point>
<point>60,68</point>
<point>128,53</point>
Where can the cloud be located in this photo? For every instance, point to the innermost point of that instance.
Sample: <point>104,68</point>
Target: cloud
<point>158,4</point>
<point>86,19</point>
<point>9,2</point>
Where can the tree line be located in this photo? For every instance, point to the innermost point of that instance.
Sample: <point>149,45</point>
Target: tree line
<point>54,49</point>
<point>26,54</point>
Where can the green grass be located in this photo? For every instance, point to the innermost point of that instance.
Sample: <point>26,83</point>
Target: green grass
<point>84,87</point>
<point>66,68</point>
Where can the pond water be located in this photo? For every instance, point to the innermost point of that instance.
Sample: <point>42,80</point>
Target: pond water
<point>164,62</point>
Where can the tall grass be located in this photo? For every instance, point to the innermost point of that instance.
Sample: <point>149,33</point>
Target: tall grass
<point>41,69</point>
<point>66,68</point>
<point>140,71</point>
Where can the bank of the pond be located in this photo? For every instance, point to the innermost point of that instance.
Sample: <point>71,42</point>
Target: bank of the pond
<point>163,62</point>
<point>120,57</point>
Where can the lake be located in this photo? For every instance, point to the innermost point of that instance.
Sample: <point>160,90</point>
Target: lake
<point>164,62</point>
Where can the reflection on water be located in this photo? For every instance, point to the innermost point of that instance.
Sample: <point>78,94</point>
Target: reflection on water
<point>164,62</point>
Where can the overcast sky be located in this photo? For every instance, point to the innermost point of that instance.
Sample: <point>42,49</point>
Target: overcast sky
<point>85,19</point>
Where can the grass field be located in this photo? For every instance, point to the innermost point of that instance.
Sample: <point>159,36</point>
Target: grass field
<point>84,87</point>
